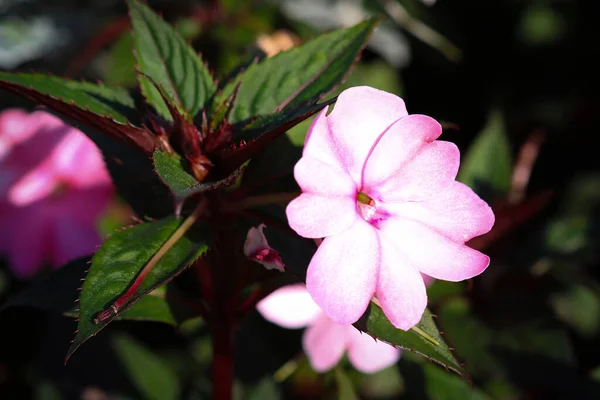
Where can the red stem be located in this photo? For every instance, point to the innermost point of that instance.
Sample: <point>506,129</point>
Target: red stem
<point>222,368</point>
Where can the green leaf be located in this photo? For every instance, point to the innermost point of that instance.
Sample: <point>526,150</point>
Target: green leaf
<point>182,184</point>
<point>345,387</point>
<point>151,375</point>
<point>58,292</point>
<point>424,339</point>
<point>100,107</point>
<point>164,56</point>
<point>299,76</point>
<point>120,259</point>
<point>487,167</point>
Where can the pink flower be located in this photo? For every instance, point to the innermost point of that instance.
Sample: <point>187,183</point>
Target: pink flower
<point>53,186</point>
<point>382,192</point>
<point>325,341</point>
<point>257,249</point>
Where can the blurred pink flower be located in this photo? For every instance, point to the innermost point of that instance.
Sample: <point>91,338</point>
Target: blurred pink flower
<point>257,249</point>
<point>325,341</point>
<point>382,192</point>
<point>53,186</point>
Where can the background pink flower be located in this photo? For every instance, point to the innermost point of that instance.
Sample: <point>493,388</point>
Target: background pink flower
<point>382,192</point>
<point>53,186</point>
<point>325,341</point>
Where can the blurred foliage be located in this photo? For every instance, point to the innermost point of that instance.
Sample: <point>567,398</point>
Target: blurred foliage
<point>528,328</point>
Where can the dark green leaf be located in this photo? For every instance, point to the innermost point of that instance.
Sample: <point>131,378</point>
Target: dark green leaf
<point>298,76</point>
<point>345,387</point>
<point>164,55</point>
<point>424,339</point>
<point>151,375</point>
<point>181,183</point>
<point>99,107</point>
<point>120,259</point>
<point>487,167</point>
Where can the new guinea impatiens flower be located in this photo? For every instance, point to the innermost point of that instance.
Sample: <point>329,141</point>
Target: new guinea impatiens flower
<point>381,191</point>
<point>53,186</point>
<point>325,341</point>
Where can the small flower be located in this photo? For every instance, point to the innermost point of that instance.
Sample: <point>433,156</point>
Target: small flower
<point>382,192</point>
<point>325,341</point>
<point>257,249</point>
<point>53,186</point>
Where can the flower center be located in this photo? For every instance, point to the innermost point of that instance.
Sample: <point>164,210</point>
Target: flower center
<point>370,209</point>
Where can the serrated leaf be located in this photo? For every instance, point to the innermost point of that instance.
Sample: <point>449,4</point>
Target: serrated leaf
<point>58,292</point>
<point>181,183</point>
<point>152,375</point>
<point>299,76</point>
<point>487,167</point>
<point>164,55</point>
<point>424,339</point>
<point>105,109</point>
<point>120,259</point>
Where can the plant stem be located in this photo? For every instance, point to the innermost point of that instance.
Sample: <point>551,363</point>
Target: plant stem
<point>222,366</point>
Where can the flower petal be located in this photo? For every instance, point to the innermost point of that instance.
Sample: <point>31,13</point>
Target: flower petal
<point>316,177</point>
<point>324,343</point>
<point>30,240</point>
<point>456,212</point>
<point>432,253</point>
<point>360,116</point>
<point>314,216</point>
<point>77,160</point>
<point>388,166</point>
<point>71,239</point>
<point>34,186</point>
<point>342,274</point>
<point>319,143</point>
<point>290,307</point>
<point>428,173</point>
<point>400,289</point>
<point>369,355</point>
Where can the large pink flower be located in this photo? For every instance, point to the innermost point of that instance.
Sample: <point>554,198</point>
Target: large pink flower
<point>325,341</point>
<point>53,186</point>
<point>382,192</point>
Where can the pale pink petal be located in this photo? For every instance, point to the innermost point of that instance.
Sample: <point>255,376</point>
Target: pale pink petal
<point>342,274</point>
<point>368,355</point>
<point>360,116</point>
<point>456,212</point>
<point>34,186</point>
<point>314,216</point>
<point>324,343</point>
<point>428,173</point>
<point>316,177</point>
<point>71,239</point>
<point>400,290</point>
<point>319,143</point>
<point>15,126</point>
<point>290,307</point>
<point>432,253</point>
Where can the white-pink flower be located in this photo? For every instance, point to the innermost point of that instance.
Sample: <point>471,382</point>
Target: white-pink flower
<point>325,342</point>
<point>53,186</point>
<point>382,192</point>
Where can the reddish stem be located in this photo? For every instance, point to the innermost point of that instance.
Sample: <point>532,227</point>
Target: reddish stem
<point>222,368</point>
